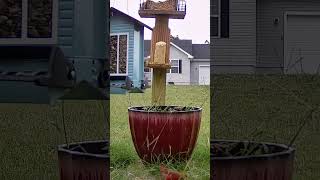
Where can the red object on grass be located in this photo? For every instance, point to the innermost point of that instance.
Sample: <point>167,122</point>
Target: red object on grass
<point>163,135</point>
<point>170,174</point>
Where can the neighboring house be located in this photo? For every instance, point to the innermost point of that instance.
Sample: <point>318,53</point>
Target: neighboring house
<point>126,48</point>
<point>265,36</point>
<point>200,64</point>
<point>190,63</point>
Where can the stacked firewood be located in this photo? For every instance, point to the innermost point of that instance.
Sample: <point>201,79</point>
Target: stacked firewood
<point>123,54</point>
<point>120,53</point>
<point>10,18</point>
<point>113,54</point>
<point>168,5</point>
<point>39,18</point>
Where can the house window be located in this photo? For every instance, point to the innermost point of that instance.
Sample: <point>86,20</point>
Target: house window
<point>181,5</point>
<point>176,66</point>
<point>119,54</point>
<point>219,20</point>
<point>146,68</point>
<point>29,22</point>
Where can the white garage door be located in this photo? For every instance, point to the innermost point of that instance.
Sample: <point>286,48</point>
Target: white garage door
<point>204,75</point>
<point>302,45</point>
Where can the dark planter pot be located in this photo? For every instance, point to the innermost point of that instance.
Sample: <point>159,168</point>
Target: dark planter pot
<point>276,165</point>
<point>92,163</point>
<point>163,135</point>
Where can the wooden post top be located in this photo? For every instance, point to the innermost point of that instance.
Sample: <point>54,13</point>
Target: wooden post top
<point>174,9</point>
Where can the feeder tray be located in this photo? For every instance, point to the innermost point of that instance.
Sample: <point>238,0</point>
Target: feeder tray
<point>155,65</point>
<point>170,5</point>
<point>176,9</point>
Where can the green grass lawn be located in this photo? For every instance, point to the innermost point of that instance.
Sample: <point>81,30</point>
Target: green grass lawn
<point>271,108</point>
<point>125,163</point>
<point>245,107</point>
<point>29,135</point>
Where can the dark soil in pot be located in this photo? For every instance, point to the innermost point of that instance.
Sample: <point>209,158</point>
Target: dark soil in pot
<point>163,133</point>
<point>84,161</point>
<point>243,160</point>
<point>165,109</point>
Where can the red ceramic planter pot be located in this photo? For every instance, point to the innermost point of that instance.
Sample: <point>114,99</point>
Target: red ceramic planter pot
<point>278,165</point>
<point>93,164</point>
<point>163,135</point>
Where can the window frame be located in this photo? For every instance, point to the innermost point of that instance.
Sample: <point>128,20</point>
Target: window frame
<point>127,68</point>
<point>220,19</point>
<point>145,66</point>
<point>24,39</point>
<point>149,70</point>
<point>170,72</point>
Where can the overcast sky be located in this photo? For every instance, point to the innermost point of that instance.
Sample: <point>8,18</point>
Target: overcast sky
<point>195,26</point>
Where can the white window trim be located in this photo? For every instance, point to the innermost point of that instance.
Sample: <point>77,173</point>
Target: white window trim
<point>24,28</point>
<point>174,66</point>
<point>219,20</point>
<point>127,68</point>
<point>147,71</point>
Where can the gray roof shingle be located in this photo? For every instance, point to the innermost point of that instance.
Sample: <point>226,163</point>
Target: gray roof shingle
<point>184,44</point>
<point>201,51</point>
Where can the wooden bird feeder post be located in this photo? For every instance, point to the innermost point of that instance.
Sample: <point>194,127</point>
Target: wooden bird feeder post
<point>174,140</point>
<point>160,42</point>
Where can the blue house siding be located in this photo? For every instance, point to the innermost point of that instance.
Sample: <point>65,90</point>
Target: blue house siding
<point>136,58</point>
<point>142,53</point>
<point>65,26</point>
<point>121,25</point>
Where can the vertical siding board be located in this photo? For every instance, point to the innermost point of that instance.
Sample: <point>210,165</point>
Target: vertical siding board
<point>136,59</point>
<point>65,26</point>
<point>142,53</point>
